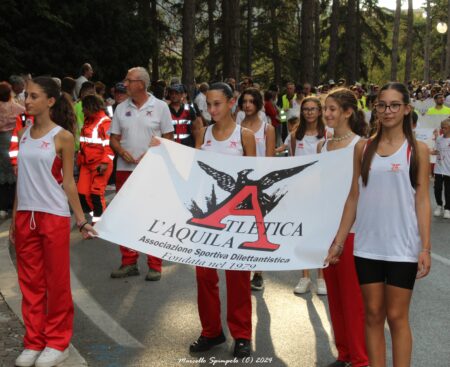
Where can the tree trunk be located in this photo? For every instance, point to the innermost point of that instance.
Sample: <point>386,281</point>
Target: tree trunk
<point>212,62</point>
<point>447,54</point>
<point>316,78</point>
<point>426,71</point>
<point>231,41</point>
<point>276,59</point>
<point>188,30</point>
<point>359,50</point>
<point>395,37</point>
<point>249,36</point>
<point>350,42</point>
<point>409,42</point>
<point>155,40</point>
<point>307,42</point>
<point>334,40</point>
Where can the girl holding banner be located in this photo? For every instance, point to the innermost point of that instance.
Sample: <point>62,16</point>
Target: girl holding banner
<point>344,294</point>
<point>40,227</point>
<point>225,137</point>
<point>390,201</point>
<point>251,103</point>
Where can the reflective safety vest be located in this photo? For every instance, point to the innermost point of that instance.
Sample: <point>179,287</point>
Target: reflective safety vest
<point>94,140</point>
<point>182,125</point>
<point>22,120</point>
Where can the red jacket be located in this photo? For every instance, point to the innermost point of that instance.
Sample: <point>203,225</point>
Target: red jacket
<point>94,140</point>
<point>22,120</point>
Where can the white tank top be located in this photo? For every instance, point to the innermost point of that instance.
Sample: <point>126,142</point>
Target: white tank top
<point>306,146</point>
<point>230,146</point>
<point>442,166</point>
<point>324,148</point>
<point>386,220</point>
<point>260,137</point>
<point>39,181</point>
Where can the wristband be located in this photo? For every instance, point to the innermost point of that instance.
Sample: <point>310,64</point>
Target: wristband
<point>81,226</point>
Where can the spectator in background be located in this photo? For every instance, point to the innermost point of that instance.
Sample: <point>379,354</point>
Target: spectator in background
<point>9,110</point>
<point>159,89</point>
<point>439,108</point>
<point>86,89</point>
<point>100,89</point>
<point>86,74</point>
<point>18,88</point>
<point>200,101</point>
<point>120,94</point>
<point>68,86</point>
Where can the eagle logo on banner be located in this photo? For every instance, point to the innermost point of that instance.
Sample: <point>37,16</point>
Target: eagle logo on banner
<point>247,198</point>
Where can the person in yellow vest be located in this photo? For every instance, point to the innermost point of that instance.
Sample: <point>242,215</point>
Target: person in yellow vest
<point>288,98</point>
<point>439,108</point>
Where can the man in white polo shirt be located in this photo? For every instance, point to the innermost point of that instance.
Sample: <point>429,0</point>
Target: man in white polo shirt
<point>135,121</point>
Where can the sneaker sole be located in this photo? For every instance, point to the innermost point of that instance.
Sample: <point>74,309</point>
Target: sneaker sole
<point>254,288</point>
<point>124,275</point>
<point>60,360</point>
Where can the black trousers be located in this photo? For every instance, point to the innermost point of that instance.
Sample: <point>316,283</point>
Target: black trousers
<point>442,182</point>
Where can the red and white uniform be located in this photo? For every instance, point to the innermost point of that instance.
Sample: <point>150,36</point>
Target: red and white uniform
<point>239,304</point>
<point>42,235</point>
<point>393,237</point>
<point>136,126</point>
<point>306,146</point>
<point>345,301</point>
<point>94,150</point>
<point>22,120</point>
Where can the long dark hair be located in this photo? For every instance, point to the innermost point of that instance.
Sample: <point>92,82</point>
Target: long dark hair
<point>346,99</point>
<point>62,112</point>
<point>302,127</point>
<point>374,141</point>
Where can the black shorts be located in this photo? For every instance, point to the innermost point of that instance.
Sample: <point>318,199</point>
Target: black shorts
<point>395,273</point>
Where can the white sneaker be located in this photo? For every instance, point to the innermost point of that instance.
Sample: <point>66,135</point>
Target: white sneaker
<point>447,214</point>
<point>321,287</point>
<point>27,358</point>
<point>303,286</point>
<point>3,214</point>
<point>51,357</point>
<point>438,211</point>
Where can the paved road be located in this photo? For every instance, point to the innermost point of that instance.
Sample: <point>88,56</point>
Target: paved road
<point>131,322</point>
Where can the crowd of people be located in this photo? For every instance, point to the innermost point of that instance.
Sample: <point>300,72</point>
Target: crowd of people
<point>64,141</point>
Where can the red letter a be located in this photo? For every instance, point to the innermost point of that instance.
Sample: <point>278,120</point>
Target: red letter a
<point>229,207</point>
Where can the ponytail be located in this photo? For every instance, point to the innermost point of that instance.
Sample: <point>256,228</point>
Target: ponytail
<point>358,123</point>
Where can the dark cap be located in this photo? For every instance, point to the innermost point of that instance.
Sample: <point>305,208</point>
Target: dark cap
<point>179,88</point>
<point>120,88</point>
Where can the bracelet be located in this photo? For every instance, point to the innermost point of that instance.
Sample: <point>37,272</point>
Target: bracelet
<point>427,250</point>
<point>81,226</point>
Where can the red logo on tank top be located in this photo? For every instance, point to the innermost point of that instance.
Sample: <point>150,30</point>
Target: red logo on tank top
<point>300,146</point>
<point>208,143</point>
<point>24,139</point>
<point>395,167</point>
<point>233,144</point>
<point>45,145</point>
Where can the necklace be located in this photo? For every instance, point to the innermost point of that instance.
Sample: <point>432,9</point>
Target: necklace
<point>343,137</point>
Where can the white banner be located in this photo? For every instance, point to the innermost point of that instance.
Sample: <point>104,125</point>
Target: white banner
<point>226,212</point>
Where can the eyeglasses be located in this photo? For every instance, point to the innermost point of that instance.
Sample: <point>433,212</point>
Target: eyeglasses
<point>131,80</point>
<point>393,107</point>
<point>310,110</point>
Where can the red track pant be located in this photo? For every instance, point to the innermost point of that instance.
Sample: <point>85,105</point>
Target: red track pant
<point>130,257</point>
<point>347,308</point>
<point>239,303</point>
<point>43,267</point>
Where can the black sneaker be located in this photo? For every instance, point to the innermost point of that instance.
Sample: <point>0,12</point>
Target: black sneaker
<point>339,363</point>
<point>242,348</point>
<point>125,271</point>
<point>203,343</point>
<point>257,283</point>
